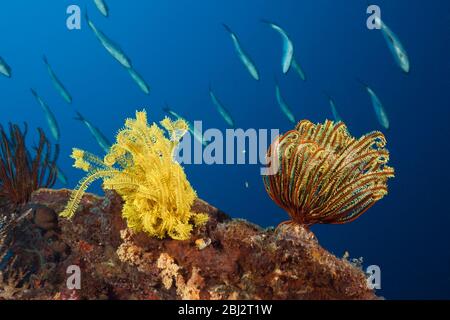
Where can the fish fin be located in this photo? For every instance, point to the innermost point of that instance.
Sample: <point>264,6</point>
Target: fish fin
<point>166,107</point>
<point>79,117</point>
<point>327,95</point>
<point>362,82</point>
<point>33,92</point>
<point>275,79</point>
<point>227,28</point>
<point>86,15</point>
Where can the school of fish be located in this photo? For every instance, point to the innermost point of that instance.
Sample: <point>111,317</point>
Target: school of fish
<point>288,62</point>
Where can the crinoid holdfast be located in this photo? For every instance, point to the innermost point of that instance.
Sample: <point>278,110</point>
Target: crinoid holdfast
<point>327,176</point>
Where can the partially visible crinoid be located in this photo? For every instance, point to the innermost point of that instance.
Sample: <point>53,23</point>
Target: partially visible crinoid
<point>13,286</point>
<point>327,176</point>
<point>21,170</point>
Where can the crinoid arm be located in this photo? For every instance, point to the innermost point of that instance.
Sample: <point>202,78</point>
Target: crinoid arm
<point>157,195</point>
<point>24,170</point>
<point>326,175</point>
<point>78,193</point>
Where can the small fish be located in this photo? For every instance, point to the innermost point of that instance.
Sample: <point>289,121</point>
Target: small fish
<point>197,135</point>
<point>394,44</point>
<point>59,174</point>
<point>61,177</point>
<point>51,120</point>
<point>102,7</point>
<point>298,69</point>
<point>245,58</point>
<point>98,136</point>
<point>57,83</point>
<point>5,69</point>
<point>288,47</point>
<point>113,49</point>
<point>336,115</point>
<point>222,110</point>
<point>139,80</point>
<point>246,184</point>
<point>283,105</point>
<point>377,106</point>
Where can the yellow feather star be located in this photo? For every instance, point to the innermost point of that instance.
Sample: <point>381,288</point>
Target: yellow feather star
<point>141,168</point>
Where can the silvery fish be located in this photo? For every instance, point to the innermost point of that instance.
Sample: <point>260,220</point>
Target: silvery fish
<point>5,69</point>
<point>102,7</point>
<point>394,44</point>
<point>333,107</point>
<point>288,47</point>
<point>139,80</point>
<point>109,45</point>
<point>283,105</point>
<point>377,106</point>
<point>61,176</point>
<point>298,69</point>
<point>57,83</point>
<point>197,135</point>
<point>244,57</point>
<point>222,110</point>
<point>98,136</point>
<point>51,120</point>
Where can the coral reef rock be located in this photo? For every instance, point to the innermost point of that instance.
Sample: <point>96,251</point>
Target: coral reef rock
<point>224,259</point>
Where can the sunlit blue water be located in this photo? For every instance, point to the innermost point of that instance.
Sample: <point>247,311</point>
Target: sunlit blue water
<point>180,48</point>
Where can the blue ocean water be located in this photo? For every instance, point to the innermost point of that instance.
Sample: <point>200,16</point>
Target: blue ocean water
<point>180,47</point>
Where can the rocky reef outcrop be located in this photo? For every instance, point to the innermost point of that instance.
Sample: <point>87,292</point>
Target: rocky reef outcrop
<point>224,259</point>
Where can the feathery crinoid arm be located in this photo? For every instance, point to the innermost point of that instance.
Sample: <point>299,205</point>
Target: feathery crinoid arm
<point>157,196</point>
<point>326,175</point>
<point>78,193</point>
<point>87,161</point>
<point>176,130</point>
<point>200,219</point>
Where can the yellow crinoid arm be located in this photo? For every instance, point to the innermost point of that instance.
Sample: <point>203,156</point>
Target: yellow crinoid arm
<point>176,129</point>
<point>78,193</point>
<point>157,196</point>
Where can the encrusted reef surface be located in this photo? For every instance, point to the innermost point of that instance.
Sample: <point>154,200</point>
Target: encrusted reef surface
<point>225,259</point>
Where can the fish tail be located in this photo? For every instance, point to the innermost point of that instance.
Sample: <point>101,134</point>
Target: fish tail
<point>362,82</point>
<point>327,95</point>
<point>79,117</point>
<point>166,107</point>
<point>86,15</point>
<point>227,27</point>
<point>33,92</point>
<point>275,79</point>
<point>44,58</point>
<point>262,20</point>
